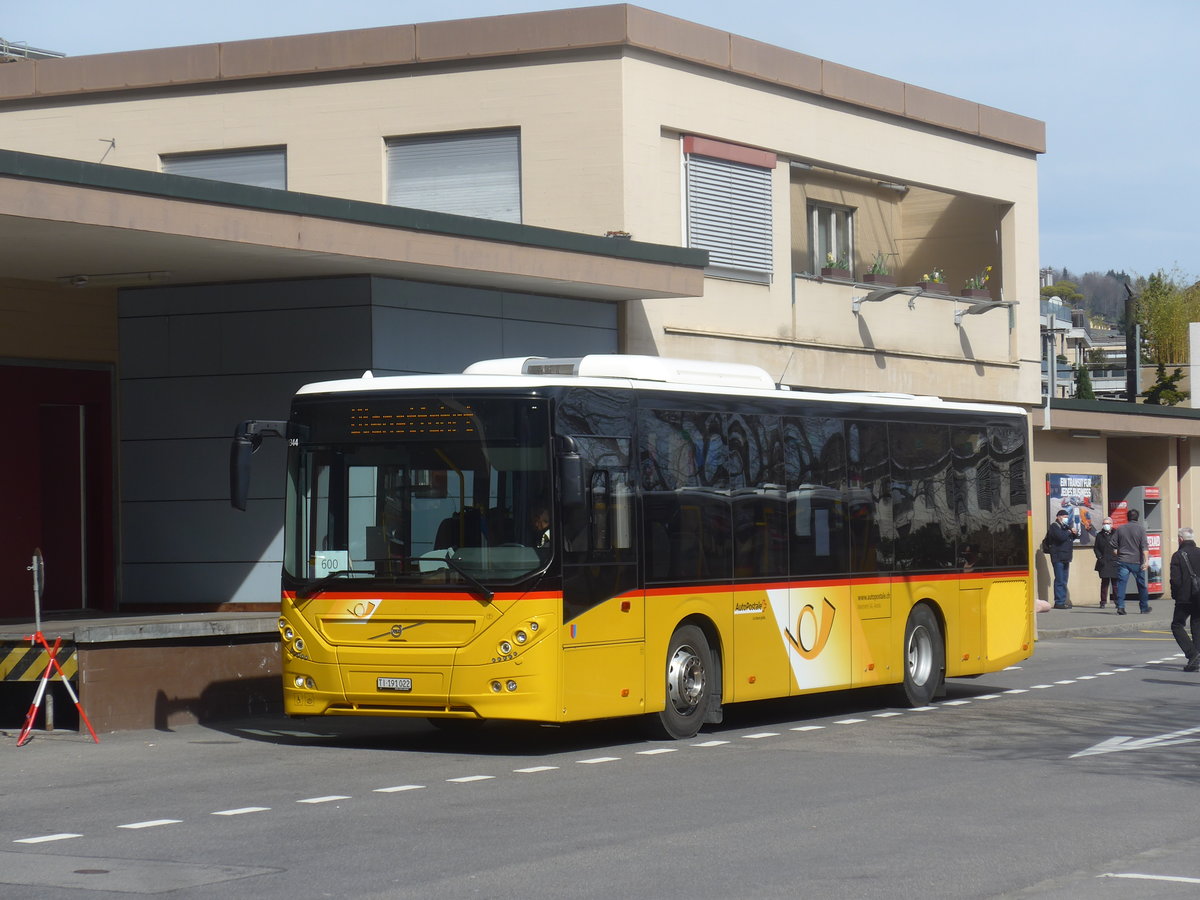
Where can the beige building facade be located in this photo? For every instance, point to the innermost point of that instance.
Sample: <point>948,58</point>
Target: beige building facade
<point>614,108</point>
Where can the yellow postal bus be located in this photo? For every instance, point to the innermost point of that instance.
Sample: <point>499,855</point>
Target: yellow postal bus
<point>557,540</point>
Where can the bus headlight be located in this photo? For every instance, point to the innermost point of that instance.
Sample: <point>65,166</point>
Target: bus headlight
<point>288,634</point>
<point>496,687</point>
<point>533,626</point>
<point>520,637</point>
<point>505,648</point>
<point>299,645</point>
<point>511,685</point>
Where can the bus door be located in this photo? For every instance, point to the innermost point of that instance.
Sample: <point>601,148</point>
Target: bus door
<point>875,651</point>
<point>603,608</point>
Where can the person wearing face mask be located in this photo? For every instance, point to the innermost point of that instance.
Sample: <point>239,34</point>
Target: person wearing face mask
<point>1060,546</point>
<point>1105,549</point>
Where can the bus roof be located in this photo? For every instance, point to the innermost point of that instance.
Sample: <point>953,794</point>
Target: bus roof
<point>635,373</point>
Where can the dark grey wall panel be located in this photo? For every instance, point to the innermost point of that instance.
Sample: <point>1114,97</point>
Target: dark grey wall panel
<point>196,361</point>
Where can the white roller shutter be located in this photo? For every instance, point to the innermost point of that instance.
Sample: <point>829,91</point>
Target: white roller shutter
<point>475,174</point>
<point>729,214</point>
<point>260,168</point>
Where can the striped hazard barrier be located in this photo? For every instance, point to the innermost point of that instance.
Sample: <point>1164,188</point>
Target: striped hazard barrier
<point>22,662</point>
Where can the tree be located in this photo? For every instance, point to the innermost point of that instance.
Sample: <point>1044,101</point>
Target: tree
<point>1164,310</point>
<point>1164,391</point>
<point>1083,384</point>
<point>1067,291</point>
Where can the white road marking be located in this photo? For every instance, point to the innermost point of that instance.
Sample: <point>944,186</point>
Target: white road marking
<point>808,728</point>
<point>1017,691</point>
<point>1084,677</point>
<point>657,750</point>
<point>533,770</point>
<point>243,811</point>
<point>1066,681</point>
<point>153,823</point>
<point>598,759</point>
<point>1181,879</point>
<point>886,715</point>
<point>469,778</point>
<point>46,838</point>
<point>1040,687</point>
<point>923,708</point>
<point>328,799</point>
<point>848,721</point>
<point>399,787</point>
<point>1124,742</point>
<point>987,697</point>
<point>955,702</point>
<point>710,743</point>
<point>761,734</point>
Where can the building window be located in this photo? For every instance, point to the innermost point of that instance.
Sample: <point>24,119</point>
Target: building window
<point>729,210</point>
<point>470,174</point>
<point>831,232</point>
<point>261,167</point>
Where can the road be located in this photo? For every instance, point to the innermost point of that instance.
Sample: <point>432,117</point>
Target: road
<point>1073,775</point>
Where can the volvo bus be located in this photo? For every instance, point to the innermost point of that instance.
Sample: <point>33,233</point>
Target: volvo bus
<point>558,540</point>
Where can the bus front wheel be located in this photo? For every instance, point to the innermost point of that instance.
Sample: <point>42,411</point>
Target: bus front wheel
<point>924,657</point>
<point>689,674</point>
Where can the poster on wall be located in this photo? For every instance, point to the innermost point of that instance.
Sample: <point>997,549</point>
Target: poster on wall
<point>1082,497</point>
<point>1154,575</point>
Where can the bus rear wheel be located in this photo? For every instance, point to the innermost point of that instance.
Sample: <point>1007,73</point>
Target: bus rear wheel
<point>689,674</point>
<point>924,657</point>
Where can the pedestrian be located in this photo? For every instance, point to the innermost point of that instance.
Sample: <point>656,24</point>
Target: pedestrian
<point>1133,558</point>
<point>1059,545</point>
<point>1105,549</point>
<point>1185,575</point>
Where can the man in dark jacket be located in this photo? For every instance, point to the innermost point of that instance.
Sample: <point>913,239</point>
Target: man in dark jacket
<point>1187,602</point>
<point>1060,546</point>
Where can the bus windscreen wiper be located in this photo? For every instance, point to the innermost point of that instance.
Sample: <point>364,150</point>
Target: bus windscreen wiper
<point>487,593</point>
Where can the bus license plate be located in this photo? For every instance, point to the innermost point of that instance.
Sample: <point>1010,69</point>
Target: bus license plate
<point>394,684</point>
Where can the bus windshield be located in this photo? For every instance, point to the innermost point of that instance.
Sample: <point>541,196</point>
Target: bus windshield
<point>417,490</point>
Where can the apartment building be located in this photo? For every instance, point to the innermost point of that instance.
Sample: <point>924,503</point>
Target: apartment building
<point>552,183</point>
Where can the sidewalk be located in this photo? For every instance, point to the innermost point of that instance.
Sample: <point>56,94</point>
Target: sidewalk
<point>1085,620</point>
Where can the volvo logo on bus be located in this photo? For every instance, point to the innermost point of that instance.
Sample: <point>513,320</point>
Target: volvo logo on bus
<point>397,630</point>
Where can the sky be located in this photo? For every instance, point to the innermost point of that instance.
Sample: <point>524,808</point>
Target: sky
<point>1115,83</point>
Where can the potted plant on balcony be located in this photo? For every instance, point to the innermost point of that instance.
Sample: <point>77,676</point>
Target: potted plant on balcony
<point>933,281</point>
<point>836,267</point>
<point>976,286</point>
<point>878,273</point>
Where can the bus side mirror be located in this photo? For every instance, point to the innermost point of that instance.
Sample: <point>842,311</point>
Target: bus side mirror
<point>570,476</point>
<point>247,438</point>
<point>239,469</point>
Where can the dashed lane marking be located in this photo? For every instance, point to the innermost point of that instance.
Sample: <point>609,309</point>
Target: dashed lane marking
<point>653,751</point>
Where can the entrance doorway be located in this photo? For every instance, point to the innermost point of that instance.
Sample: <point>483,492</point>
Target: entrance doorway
<point>56,477</point>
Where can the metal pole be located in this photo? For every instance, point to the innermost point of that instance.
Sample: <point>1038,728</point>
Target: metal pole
<point>36,567</point>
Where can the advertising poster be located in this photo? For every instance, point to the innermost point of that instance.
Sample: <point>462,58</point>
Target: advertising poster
<point>1082,497</point>
<point>1154,575</point>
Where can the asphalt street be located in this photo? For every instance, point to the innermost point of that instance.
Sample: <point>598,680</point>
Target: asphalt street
<point>1072,775</point>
